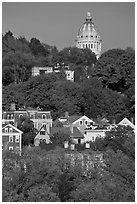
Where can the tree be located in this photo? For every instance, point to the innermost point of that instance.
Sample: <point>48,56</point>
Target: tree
<point>117,137</point>
<point>42,193</point>
<point>27,127</point>
<point>37,48</point>
<point>60,137</point>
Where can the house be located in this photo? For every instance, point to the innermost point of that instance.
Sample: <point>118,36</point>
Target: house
<point>91,134</point>
<point>11,138</point>
<point>126,122</point>
<point>76,136</point>
<point>42,136</point>
<point>39,117</point>
<point>81,122</point>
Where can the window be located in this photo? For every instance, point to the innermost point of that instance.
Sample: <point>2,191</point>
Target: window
<point>93,139</point>
<point>6,130</point>
<point>17,149</point>
<point>86,45</point>
<point>44,125</point>
<point>32,115</point>
<point>10,130</point>
<point>86,36</point>
<point>17,138</point>
<point>11,138</point>
<point>10,148</point>
<point>81,36</point>
<point>43,116</point>
<point>91,45</point>
<point>20,115</point>
<point>42,132</point>
<point>81,122</point>
<point>86,122</point>
<point>91,36</point>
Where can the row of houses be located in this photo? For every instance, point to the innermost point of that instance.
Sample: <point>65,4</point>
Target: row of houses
<point>69,74</point>
<point>80,128</point>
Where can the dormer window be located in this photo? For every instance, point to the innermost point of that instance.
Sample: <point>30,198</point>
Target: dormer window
<point>42,132</point>
<point>43,116</point>
<point>20,115</point>
<point>44,125</point>
<point>6,130</point>
<point>10,130</point>
<point>86,122</point>
<point>80,122</point>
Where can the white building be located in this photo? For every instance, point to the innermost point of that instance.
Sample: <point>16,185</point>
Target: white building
<point>47,70</point>
<point>88,36</point>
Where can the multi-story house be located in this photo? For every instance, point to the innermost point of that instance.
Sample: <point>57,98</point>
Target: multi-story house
<point>40,118</point>
<point>11,138</point>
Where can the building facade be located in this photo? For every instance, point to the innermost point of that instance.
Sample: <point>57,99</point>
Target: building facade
<point>11,138</point>
<point>88,36</point>
<point>40,118</point>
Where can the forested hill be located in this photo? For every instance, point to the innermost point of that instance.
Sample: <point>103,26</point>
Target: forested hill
<point>103,87</point>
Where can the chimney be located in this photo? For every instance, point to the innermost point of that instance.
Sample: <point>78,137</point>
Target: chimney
<point>66,115</point>
<point>132,120</point>
<point>114,121</point>
<point>12,107</point>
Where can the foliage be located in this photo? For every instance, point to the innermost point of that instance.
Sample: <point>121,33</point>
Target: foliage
<point>117,137</point>
<point>102,87</point>
<point>27,127</point>
<point>59,175</point>
<point>58,138</point>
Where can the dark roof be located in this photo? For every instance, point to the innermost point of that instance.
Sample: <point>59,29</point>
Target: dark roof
<point>76,133</point>
<point>59,129</point>
<point>3,125</point>
<point>73,118</point>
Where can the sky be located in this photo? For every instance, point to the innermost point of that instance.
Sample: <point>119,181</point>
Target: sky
<point>57,23</point>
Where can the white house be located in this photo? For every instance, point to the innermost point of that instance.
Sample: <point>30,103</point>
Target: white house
<point>126,122</point>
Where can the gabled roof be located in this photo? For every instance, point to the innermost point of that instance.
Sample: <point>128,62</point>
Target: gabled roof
<point>41,129</point>
<point>11,126</point>
<point>126,122</point>
<point>81,117</point>
<point>76,133</point>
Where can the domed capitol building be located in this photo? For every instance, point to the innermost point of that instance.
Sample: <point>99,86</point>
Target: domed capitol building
<point>88,36</point>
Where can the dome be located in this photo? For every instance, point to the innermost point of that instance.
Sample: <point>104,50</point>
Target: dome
<point>88,36</point>
<point>88,28</point>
